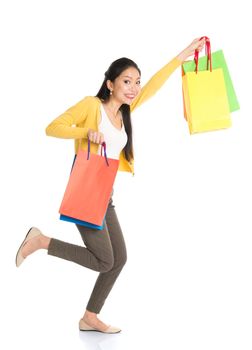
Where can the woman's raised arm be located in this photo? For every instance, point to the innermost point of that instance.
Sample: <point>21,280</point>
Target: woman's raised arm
<point>158,79</point>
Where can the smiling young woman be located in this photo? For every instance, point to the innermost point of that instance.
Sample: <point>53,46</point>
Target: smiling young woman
<point>104,117</point>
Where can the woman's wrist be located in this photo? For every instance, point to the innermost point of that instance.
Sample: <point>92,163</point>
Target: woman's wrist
<point>183,55</point>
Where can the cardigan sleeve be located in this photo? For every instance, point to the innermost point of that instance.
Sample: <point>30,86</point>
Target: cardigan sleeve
<point>65,126</point>
<point>155,83</point>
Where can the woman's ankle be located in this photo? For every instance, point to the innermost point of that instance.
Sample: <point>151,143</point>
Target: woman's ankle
<point>89,315</point>
<point>44,242</point>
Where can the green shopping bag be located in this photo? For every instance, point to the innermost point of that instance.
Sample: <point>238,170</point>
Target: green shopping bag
<point>218,61</point>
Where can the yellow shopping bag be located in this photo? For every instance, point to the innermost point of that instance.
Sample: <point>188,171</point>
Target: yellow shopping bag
<point>205,99</point>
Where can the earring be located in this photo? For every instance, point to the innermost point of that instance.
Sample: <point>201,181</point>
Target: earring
<point>110,92</point>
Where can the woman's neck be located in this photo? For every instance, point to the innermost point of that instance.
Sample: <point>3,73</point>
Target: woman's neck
<point>113,106</point>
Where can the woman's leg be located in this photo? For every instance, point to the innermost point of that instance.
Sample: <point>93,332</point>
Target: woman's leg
<point>105,280</point>
<point>97,255</point>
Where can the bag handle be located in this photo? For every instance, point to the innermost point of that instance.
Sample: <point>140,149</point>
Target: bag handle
<point>208,54</point>
<point>103,147</point>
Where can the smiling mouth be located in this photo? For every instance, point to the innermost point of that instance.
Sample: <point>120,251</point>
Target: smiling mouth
<point>130,96</point>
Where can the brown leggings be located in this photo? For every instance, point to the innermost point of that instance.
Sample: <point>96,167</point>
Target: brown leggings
<point>105,252</point>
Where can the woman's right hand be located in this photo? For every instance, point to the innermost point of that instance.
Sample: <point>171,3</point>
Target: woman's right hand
<point>196,44</point>
<point>95,136</point>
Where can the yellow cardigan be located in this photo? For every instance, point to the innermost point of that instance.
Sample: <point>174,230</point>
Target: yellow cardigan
<point>78,119</point>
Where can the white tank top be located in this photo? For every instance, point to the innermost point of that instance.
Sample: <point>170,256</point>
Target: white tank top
<point>115,139</point>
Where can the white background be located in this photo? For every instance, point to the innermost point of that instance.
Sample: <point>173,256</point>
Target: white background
<point>186,214</point>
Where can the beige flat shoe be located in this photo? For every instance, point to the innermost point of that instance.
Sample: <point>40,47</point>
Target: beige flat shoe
<point>83,326</point>
<point>33,232</point>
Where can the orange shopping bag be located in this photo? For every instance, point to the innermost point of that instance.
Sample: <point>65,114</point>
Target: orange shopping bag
<point>89,188</point>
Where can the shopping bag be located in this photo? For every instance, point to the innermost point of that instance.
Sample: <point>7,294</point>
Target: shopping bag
<point>89,187</point>
<point>205,97</point>
<point>81,222</point>
<point>218,61</point>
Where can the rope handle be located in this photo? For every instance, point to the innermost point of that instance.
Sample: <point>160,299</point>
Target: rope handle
<point>103,148</point>
<point>207,52</point>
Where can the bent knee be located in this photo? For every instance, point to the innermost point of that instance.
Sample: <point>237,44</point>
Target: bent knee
<point>112,264</point>
<point>123,260</point>
<point>107,265</point>
<point>120,262</point>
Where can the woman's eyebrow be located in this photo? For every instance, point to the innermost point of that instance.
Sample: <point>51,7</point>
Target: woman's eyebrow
<point>127,76</point>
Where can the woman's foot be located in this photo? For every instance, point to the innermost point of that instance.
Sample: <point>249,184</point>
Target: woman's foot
<point>91,319</point>
<point>90,322</point>
<point>33,241</point>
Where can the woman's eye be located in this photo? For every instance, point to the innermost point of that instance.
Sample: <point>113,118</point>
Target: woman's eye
<point>127,81</point>
<point>139,82</point>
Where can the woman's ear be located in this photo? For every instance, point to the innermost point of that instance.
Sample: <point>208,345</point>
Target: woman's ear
<point>109,85</point>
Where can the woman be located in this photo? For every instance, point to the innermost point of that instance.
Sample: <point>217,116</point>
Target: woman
<point>105,117</point>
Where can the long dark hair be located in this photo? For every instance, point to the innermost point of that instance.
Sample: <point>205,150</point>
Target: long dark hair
<point>114,70</point>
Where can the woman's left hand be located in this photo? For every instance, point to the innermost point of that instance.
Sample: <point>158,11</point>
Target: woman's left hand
<point>196,44</point>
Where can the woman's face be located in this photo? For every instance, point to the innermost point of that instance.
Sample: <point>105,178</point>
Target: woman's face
<point>126,86</point>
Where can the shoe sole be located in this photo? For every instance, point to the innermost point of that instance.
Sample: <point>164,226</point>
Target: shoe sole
<point>96,330</point>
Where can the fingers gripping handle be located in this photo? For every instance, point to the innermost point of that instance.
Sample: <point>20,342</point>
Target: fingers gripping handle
<point>103,147</point>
